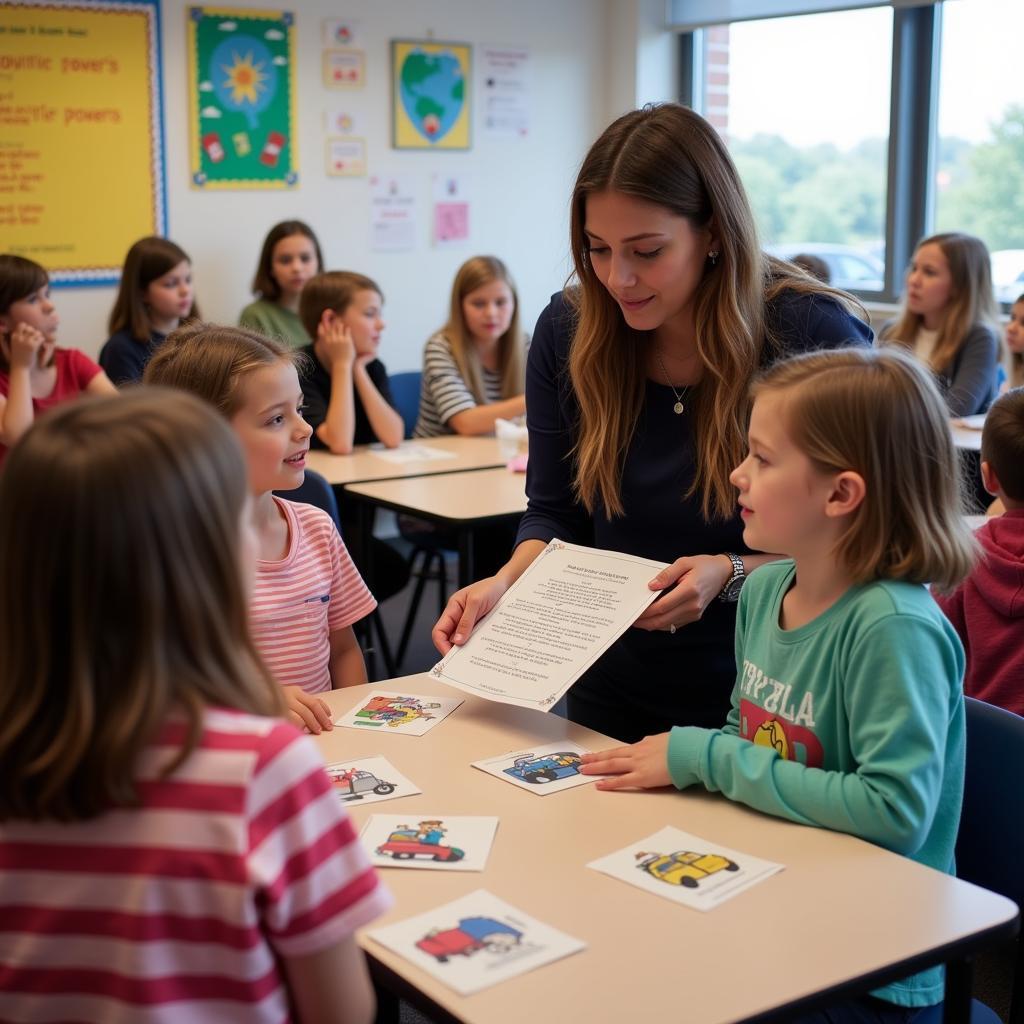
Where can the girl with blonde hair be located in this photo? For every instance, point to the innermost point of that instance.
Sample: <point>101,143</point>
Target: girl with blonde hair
<point>637,390</point>
<point>171,849</point>
<point>949,319</point>
<point>473,368</point>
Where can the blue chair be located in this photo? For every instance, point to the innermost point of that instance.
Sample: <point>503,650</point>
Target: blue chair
<point>990,842</point>
<point>405,390</point>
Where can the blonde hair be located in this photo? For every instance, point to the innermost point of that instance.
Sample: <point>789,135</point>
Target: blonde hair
<point>878,413</point>
<point>475,273</point>
<point>122,599</point>
<point>671,157</point>
<point>971,299</point>
<point>333,289</point>
<point>211,361</point>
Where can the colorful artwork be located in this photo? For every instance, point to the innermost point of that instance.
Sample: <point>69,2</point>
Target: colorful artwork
<point>398,713</point>
<point>441,842</point>
<point>369,780</point>
<point>242,98</point>
<point>547,768</point>
<point>430,99</point>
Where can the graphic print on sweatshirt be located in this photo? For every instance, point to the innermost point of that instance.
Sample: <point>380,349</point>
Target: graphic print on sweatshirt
<point>778,715</point>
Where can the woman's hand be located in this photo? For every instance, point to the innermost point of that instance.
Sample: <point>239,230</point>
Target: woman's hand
<point>306,711</point>
<point>642,765</point>
<point>465,609</point>
<point>698,580</point>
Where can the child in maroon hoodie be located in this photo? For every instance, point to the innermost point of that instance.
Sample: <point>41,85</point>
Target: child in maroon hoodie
<point>987,609</point>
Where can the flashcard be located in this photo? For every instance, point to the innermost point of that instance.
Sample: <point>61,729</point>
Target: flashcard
<point>541,769</point>
<point>475,942</point>
<point>438,842</point>
<point>369,780</point>
<point>686,869</point>
<point>397,714</point>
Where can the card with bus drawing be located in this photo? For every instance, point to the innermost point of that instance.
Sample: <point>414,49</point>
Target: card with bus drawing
<point>475,942</point>
<point>369,780</point>
<point>541,769</point>
<point>685,868</point>
<point>437,842</point>
<point>397,714</point>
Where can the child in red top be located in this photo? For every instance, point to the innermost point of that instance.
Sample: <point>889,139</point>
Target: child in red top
<point>34,373</point>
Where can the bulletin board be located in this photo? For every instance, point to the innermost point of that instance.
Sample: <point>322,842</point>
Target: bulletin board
<point>81,134</point>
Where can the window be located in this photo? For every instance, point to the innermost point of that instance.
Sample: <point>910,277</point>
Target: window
<point>806,118</point>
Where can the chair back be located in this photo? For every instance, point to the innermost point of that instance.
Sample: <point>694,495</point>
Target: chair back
<point>315,490</point>
<point>405,390</point>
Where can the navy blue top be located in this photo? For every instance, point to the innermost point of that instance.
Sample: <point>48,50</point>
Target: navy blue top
<point>658,521</point>
<point>123,357</point>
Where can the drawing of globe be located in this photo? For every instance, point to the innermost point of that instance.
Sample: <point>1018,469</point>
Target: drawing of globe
<point>433,91</point>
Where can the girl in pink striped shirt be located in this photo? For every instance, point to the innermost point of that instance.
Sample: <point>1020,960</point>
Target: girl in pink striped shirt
<point>307,593</point>
<point>169,851</point>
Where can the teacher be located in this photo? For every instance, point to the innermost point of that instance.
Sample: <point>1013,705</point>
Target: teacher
<point>637,407</point>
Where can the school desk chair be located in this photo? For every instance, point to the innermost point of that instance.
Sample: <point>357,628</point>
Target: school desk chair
<point>990,842</point>
<point>315,490</point>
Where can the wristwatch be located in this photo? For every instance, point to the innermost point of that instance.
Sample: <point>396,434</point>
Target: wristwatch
<point>730,593</point>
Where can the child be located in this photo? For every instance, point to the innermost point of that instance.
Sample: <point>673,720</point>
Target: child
<point>169,849</point>
<point>289,258</point>
<point>1015,345</point>
<point>987,609</point>
<point>474,367</point>
<point>948,319</point>
<point>34,373</point>
<point>348,401</point>
<point>847,711</point>
<point>308,594</point>
<point>154,296</point>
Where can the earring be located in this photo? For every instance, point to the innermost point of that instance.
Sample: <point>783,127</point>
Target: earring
<point>713,256</point>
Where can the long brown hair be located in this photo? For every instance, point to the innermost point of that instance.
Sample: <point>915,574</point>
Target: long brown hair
<point>122,599</point>
<point>19,278</point>
<point>475,273</point>
<point>879,413</point>
<point>670,156</point>
<point>264,284</point>
<point>971,300</point>
<point>148,259</point>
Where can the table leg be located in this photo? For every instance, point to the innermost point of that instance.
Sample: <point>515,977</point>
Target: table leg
<point>957,1005</point>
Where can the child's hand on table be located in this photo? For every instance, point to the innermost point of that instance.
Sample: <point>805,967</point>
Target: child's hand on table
<point>642,765</point>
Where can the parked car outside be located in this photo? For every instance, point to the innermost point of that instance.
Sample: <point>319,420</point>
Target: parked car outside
<point>851,269</point>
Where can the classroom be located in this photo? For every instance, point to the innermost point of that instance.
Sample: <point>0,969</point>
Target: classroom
<point>595,425</point>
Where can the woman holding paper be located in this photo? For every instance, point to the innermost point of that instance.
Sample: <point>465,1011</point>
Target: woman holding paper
<point>637,408</point>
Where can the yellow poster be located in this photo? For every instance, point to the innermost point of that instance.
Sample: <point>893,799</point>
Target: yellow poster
<point>81,151</point>
<point>430,94</point>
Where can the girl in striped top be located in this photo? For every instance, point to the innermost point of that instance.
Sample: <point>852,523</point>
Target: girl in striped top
<point>169,851</point>
<point>474,367</point>
<point>307,593</point>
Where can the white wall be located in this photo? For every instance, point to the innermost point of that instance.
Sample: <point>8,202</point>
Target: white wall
<point>520,188</point>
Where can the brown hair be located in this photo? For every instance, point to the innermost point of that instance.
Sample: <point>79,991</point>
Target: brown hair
<point>971,299</point>
<point>210,361</point>
<point>147,260</point>
<point>1002,442</point>
<point>334,289</point>
<point>670,156</point>
<point>1015,360</point>
<point>19,278</point>
<point>475,273</point>
<point>133,606</point>
<point>264,284</point>
<point>879,413</point>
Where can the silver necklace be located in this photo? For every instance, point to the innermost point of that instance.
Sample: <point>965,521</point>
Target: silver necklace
<point>678,407</point>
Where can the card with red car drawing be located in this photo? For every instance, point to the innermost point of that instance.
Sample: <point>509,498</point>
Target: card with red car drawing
<point>397,714</point>
<point>437,842</point>
<point>475,942</point>
<point>368,780</point>
<point>541,769</point>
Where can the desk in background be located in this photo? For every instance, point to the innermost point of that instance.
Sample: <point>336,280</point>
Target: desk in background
<point>843,917</point>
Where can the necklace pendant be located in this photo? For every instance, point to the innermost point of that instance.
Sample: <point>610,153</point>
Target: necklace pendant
<point>678,408</point>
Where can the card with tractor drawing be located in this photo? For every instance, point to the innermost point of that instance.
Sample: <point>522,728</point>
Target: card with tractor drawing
<point>438,842</point>
<point>685,868</point>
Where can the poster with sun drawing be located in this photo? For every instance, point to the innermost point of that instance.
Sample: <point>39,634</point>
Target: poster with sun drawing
<point>241,98</point>
<point>430,85</point>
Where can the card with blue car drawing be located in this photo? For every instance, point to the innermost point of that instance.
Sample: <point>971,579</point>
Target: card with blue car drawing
<point>397,714</point>
<point>436,842</point>
<point>543,768</point>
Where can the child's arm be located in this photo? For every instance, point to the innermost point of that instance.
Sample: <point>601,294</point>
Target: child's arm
<point>100,385</point>
<point>16,413</point>
<point>332,986</point>
<point>347,665</point>
<point>481,419</point>
<point>386,424</point>
<point>339,426</point>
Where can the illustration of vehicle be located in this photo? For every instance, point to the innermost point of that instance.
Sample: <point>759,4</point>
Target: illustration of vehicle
<point>546,768</point>
<point>214,148</point>
<point>472,934</point>
<point>272,149</point>
<point>394,711</point>
<point>683,867</point>
<point>353,783</point>
<point>404,844</point>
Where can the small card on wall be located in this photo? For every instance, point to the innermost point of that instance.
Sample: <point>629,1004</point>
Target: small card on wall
<point>369,780</point>
<point>344,69</point>
<point>341,32</point>
<point>342,121</point>
<point>686,869</point>
<point>436,842</point>
<point>346,157</point>
<point>541,769</point>
<point>397,714</point>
